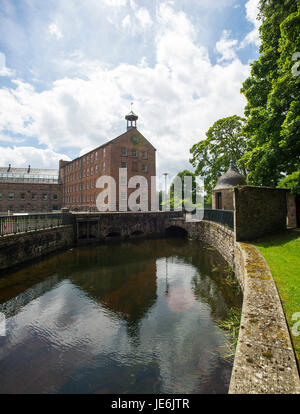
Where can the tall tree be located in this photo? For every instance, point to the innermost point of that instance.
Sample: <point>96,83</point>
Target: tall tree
<point>273,95</point>
<point>224,143</point>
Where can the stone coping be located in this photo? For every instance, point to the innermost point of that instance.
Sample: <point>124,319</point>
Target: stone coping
<point>264,361</point>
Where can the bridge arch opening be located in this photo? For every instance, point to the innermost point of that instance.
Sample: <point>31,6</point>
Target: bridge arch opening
<point>113,234</point>
<point>175,231</point>
<point>137,233</point>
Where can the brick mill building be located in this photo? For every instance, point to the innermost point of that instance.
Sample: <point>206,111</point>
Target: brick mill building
<point>130,150</point>
<point>29,190</point>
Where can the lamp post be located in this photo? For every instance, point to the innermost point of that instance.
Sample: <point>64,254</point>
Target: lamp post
<point>165,198</point>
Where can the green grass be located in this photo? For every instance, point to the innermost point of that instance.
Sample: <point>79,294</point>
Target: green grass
<point>282,253</point>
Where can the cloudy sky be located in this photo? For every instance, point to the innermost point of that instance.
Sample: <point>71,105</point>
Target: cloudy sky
<point>70,69</point>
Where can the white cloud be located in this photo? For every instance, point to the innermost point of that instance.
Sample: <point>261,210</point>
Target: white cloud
<point>4,71</point>
<point>55,31</point>
<point>126,22</point>
<point>251,14</point>
<point>37,158</point>
<point>177,98</point>
<point>144,17</point>
<point>226,47</point>
<point>114,3</point>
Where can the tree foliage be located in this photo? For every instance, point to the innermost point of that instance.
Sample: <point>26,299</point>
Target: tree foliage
<point>224,142</point>
<point>291,182</point>
<point>273,94</point>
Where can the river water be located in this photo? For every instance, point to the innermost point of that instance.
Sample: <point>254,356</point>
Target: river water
<point>131,317</point>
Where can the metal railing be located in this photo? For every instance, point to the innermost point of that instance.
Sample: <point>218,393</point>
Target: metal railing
<point>32,222</point>
<point>224,217</point>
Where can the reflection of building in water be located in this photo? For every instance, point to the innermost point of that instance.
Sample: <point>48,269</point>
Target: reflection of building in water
<point>128,291</point>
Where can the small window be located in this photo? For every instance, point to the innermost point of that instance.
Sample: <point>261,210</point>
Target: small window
<point>123,151</point>
<point>96,156</point>
<point>144,168</point>
<point>11,196</point>
<point>104,152</point>
<point>45,196</point>
<point>96,169</point>
<point>123,164</point>
<point>144,155</point>
<point>55,196</point>
<point>22,196</point>
<point>134,153</point>
<point>103,167</point>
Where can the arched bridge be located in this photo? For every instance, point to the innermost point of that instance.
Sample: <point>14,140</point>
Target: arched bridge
<point>91,227</point>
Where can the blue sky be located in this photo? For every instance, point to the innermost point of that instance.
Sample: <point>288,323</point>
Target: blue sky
<point>69,70</point>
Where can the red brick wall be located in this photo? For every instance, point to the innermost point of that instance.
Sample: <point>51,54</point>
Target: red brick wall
<point>30,204</point>
<point>80,175</point>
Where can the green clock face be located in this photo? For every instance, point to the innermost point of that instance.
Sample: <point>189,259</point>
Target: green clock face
<point>135,139</point>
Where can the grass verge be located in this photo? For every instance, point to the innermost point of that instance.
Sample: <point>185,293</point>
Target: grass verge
<point>282,253</point>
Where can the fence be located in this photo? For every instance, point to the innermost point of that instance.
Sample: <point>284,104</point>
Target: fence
<point>31,222</point>
<point>224,217</point>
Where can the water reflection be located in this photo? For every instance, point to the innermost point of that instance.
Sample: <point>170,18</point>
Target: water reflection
<point>129,318</point>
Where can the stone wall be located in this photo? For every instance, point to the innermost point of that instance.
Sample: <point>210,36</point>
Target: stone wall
<point>226,198</point>
<point>98,226</point>
<point>208,232</point>
<point>264,361</point>
<point>291,210</point>
<point>19,248</point>
<point>258,211</point>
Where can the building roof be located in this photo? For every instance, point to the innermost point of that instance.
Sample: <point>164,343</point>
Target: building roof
<point>107,143</point>
<point>230,179</point>
<point>28,175</point>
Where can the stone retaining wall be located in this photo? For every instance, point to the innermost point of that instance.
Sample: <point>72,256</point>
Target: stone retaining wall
<point>214,234</point>
<point>264,361</point>
<point>22,247</point>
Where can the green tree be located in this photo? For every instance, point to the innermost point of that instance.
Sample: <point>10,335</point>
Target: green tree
<point>291,182</point>
<point>224,142</point>
<point>272,91</point>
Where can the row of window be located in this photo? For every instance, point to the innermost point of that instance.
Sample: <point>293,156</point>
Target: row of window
<point>89,158</point>
<point>80,199</point>
<point>134,166</point>
<point>134,153</point>
<point>90,172</point>
<point>33,196</point>
<point>82,186</point>
<point>85,173</point>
